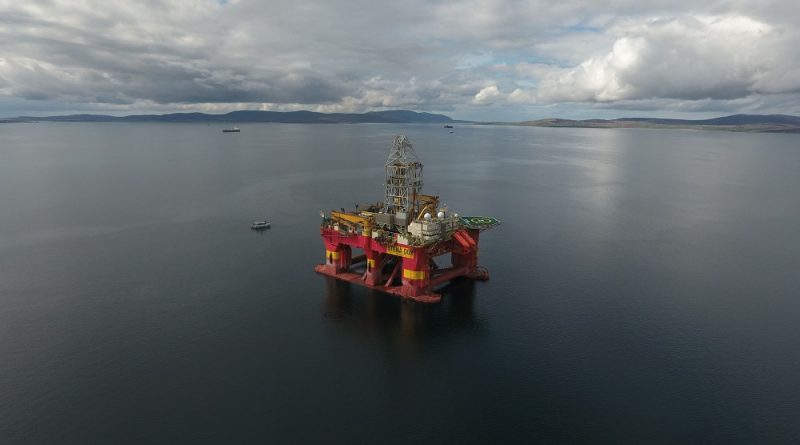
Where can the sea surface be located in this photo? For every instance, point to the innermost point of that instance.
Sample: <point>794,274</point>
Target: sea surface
<point>645,288</point>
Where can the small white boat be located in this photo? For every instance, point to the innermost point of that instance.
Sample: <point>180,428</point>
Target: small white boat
<point>259,225</point>
<point>231,130</point>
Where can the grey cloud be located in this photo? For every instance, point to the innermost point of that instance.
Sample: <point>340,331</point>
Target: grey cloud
<point>356,55</point>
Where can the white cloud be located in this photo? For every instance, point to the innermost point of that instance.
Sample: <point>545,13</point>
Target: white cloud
<point>487,94</point>
<point>690,58</point>
<point>522,96</point>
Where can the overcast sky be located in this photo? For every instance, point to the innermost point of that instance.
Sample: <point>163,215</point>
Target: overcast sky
<point>483,60</point>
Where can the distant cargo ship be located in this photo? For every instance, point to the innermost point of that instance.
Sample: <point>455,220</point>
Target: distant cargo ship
<point>448,126</point>
<point>231,130</point>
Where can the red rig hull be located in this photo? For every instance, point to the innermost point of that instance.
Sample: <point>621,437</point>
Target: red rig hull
<point>405,271</point>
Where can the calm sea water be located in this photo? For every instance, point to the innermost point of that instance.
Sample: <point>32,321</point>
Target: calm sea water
<point>645,288</point>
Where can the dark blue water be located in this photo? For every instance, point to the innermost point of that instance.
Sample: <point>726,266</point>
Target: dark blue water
<point>644,288</point>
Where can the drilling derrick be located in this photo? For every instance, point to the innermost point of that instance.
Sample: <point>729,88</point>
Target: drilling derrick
<point>403,179</point>
<point>402,236</point>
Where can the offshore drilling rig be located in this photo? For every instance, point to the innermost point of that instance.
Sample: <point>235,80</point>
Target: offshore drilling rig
<point>401,236</point>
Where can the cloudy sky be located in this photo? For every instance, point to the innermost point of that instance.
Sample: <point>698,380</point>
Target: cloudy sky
<point>478,59</point>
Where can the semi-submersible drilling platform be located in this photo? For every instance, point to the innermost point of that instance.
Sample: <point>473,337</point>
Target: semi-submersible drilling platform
<point>401,236</point>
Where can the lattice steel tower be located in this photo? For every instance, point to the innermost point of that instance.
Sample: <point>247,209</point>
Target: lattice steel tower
<point>403,179</point>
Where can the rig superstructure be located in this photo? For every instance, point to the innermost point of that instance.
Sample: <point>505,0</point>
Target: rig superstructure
<point>401,236</point>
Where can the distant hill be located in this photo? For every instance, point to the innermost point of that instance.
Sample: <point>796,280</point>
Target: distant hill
<point>771,123</point>
<point>736,119</point>
<point>244,116</point>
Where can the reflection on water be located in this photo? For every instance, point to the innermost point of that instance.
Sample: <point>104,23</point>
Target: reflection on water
<point>362,310</point>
